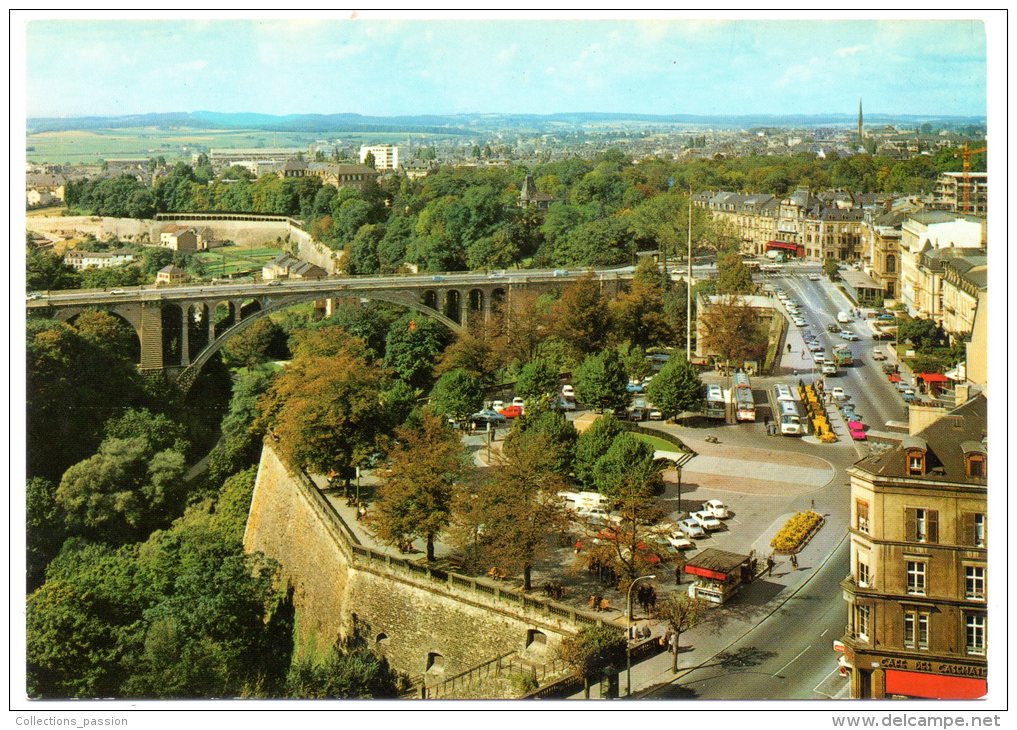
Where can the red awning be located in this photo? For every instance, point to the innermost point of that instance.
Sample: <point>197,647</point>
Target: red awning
<point>782,245</point>
<point>705,572</point>
<point>933,377</point>
<point>893,378</point>
<point>933,686</point>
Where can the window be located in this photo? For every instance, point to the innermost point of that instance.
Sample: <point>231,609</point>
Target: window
<point>862,622</point>
<point>976,466</point>
<point>863,574</point>
<point>974,582</point>
<point>974,642</point>
<point>972,529</point>
<point>921,525</point>
<point>915,578</point>
<point>916,463</point>
<point>862,512</point>
<point>916,629</point>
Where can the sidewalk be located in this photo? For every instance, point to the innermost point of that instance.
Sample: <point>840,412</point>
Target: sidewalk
<point>722,626</point>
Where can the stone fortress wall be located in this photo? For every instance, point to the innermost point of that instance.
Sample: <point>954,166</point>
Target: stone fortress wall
<point>426,622</point>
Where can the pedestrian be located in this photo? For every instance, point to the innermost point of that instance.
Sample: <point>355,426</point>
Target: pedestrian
<point>789,347</point>
<point>813,505</point>
<point>794,561</point>
<point>678,574</point>
<point>579,546</point>
<point>769,564</point>
<point>766,421</point>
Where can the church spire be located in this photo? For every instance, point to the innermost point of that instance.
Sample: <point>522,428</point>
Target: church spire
<point>859,120</point>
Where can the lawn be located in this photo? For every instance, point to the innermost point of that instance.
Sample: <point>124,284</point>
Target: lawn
<point>657,443</point>
<point>231,260</point>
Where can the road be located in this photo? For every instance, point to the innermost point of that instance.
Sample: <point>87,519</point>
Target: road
<point>875,398</point>
<point>788,656</point>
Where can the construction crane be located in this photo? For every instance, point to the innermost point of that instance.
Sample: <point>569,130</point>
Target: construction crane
<point>966,167</point>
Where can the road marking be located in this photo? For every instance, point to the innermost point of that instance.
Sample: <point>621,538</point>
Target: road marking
<point>823,681</point>
<point>823,634</point>
<point>777,673</point>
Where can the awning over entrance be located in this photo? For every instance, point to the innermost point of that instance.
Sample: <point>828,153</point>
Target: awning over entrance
<point>933,686</point>
<point>795,248</point>
<point>705,573</point>
<point>932,377</point>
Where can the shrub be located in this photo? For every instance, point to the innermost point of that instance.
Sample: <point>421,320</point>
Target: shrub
<point>794,531</point>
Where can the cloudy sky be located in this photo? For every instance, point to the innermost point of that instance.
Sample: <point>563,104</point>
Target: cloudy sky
<point>392,67</point>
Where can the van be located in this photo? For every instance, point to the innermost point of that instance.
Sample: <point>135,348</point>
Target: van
<point>843,317</point>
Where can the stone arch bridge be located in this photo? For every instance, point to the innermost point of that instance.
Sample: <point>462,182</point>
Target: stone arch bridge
<point>180,327</point>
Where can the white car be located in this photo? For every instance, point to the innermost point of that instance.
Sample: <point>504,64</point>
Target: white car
<point>814,277</point>
<point>690,528</point>
<point>517,401</point>
<point>679,542</point>
<point>655,414</point>
<point>497,405</point>
<point>819,358</point>
<point>568,391</point>
<point>799,322</point>
<point>593,514</point>
<point>878,355</point>
<point>838,393</point>
<point>716,508</point>
<point>829,368</point>
<point>706,520</point>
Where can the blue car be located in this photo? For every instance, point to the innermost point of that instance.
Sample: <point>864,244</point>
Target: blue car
<point>634,387</point>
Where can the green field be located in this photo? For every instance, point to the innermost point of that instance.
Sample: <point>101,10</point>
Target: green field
<point>178,143</point>
<point>656,443</point>
<point>233,260</point>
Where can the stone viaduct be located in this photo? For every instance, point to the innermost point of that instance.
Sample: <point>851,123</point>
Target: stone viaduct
<point>179,328</point>
<point>428,623</point>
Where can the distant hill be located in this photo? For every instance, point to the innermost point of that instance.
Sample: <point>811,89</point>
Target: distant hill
<point>465,123</point>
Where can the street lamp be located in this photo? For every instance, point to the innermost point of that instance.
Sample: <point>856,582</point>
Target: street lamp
<point>628,633</point>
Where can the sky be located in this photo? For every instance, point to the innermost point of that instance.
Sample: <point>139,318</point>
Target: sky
<point>394,67</point>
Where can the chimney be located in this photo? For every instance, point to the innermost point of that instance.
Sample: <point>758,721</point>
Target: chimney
<point>961,394</point>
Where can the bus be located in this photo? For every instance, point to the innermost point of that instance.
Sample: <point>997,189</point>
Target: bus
<point>745,404</point>
<point>716,404</point>
<point>792,421</point>
<point>782,392</point>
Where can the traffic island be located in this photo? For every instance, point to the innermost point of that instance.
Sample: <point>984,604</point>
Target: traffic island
<point>797,532</point>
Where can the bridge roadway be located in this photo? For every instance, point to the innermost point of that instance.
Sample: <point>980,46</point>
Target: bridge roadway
<point>331,286</point>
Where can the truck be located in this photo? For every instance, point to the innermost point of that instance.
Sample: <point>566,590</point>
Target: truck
<point>842,357</point>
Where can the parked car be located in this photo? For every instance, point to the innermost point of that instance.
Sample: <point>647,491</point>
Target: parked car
<point>691,529</point>
<point>637,413</point>
<point>878,355</point>
<point>518,401</point>
<point>634,387</point>
<point>849,336</point>
<point>838,393</point>
<point>706,520</point>
<point>511,411</point>
<point>833,328</point>
<point>561,272</point>
<point>886,317</point>
<point>655,414</point>
<point>816,346</point>
<point>799,322</point>
<point>814,277</point>
<point>889,368</point>
<point>488,416</point>
<point>716,508</point>
<point>829,368</point>
<point>568,391</point>
<point>679,542</point>
<point>593,514</point>
<point>497,405</point>
<point>880,336</point>
<point>818,357</point>
<point>32,297</point>
<point>566,405</point>
<point>852,417</point>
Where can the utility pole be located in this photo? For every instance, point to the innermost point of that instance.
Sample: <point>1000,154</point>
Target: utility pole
<point>688,289</point>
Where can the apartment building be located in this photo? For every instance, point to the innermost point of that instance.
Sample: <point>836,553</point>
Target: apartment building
<point>386,156</point>
<point>922,234</point>
<point>950,189</point>
<point>964,282</point>
<point>917,621</point>
<point>79,260</point>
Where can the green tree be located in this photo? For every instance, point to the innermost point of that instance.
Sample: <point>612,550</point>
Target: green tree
<point>325,408</point>
<point>924,334</point>
<point>676,388</point>
<point>594,652</point>
<point>456,395</point>
<point>600,381</point>
<point>733,276</point>
<point>369,160</point>
<point>680,613</point>
<point>732,331</point>
<point>537,382</point>
<point>263,341</point>
<point>45,271</point>
<point>560,436</point>
<point>44,531</point>
<point>413,343</point>
<point>350,671</point>
<point>517,507</point>
<point>159,430</point>
<point>831,268</point>
<point>625,456</point>
<point>637,314</point>
<point>592,444</point>
<point>417,488</point>
<point>240,444</point>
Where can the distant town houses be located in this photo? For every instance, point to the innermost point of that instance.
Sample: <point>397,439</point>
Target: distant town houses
<point>78,259</point>
<point>386,156</point>
<point>285,266</point>
<point>44,188</point>
<point>182,238</point>
<point>170,275</point>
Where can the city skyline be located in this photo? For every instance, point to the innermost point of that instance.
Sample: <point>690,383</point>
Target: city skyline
<point>395,67</point>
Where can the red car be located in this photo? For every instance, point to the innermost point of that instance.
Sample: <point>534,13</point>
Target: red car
<point>645,553</point>
<point>857,430</point>
<point>511,411</point>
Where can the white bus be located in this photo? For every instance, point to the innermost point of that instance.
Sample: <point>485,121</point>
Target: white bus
<point>782,392</point>
<point>745,404</point>
<point>792,421</point>
<point>716,404</point>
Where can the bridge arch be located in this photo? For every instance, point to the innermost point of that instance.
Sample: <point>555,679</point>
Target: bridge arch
<point>135,352</point>
<point>219,335</point>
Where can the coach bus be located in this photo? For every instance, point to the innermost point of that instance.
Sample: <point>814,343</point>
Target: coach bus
<point>792,420</point>
<point>716,403</point>
<point>745,404</point>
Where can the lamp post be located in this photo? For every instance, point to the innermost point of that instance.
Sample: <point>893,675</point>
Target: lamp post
<point>628,633</point>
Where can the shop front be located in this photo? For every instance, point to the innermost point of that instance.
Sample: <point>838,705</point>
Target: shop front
<point>876,677</point>
<point>717,574</point>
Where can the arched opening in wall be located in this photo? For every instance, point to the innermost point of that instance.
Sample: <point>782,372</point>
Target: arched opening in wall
<point>891,264</point>
<point>499,301</point>
<point>536,640</point>
<point>429,299</point>
<point>381,640</point>
<point>474,307</point>
<point>223,317</point>
<point>249,307</point>
<point>172,334</point>
<point>197,328</point>
<point>452,305</point>
<point>120,333</point>
<point>435,663</point>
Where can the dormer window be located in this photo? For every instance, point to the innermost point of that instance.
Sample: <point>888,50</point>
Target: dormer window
<point>916,463</point>
<point>974,459</point>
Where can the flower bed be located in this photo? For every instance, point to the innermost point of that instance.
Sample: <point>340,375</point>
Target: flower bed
<point>796,532</point>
